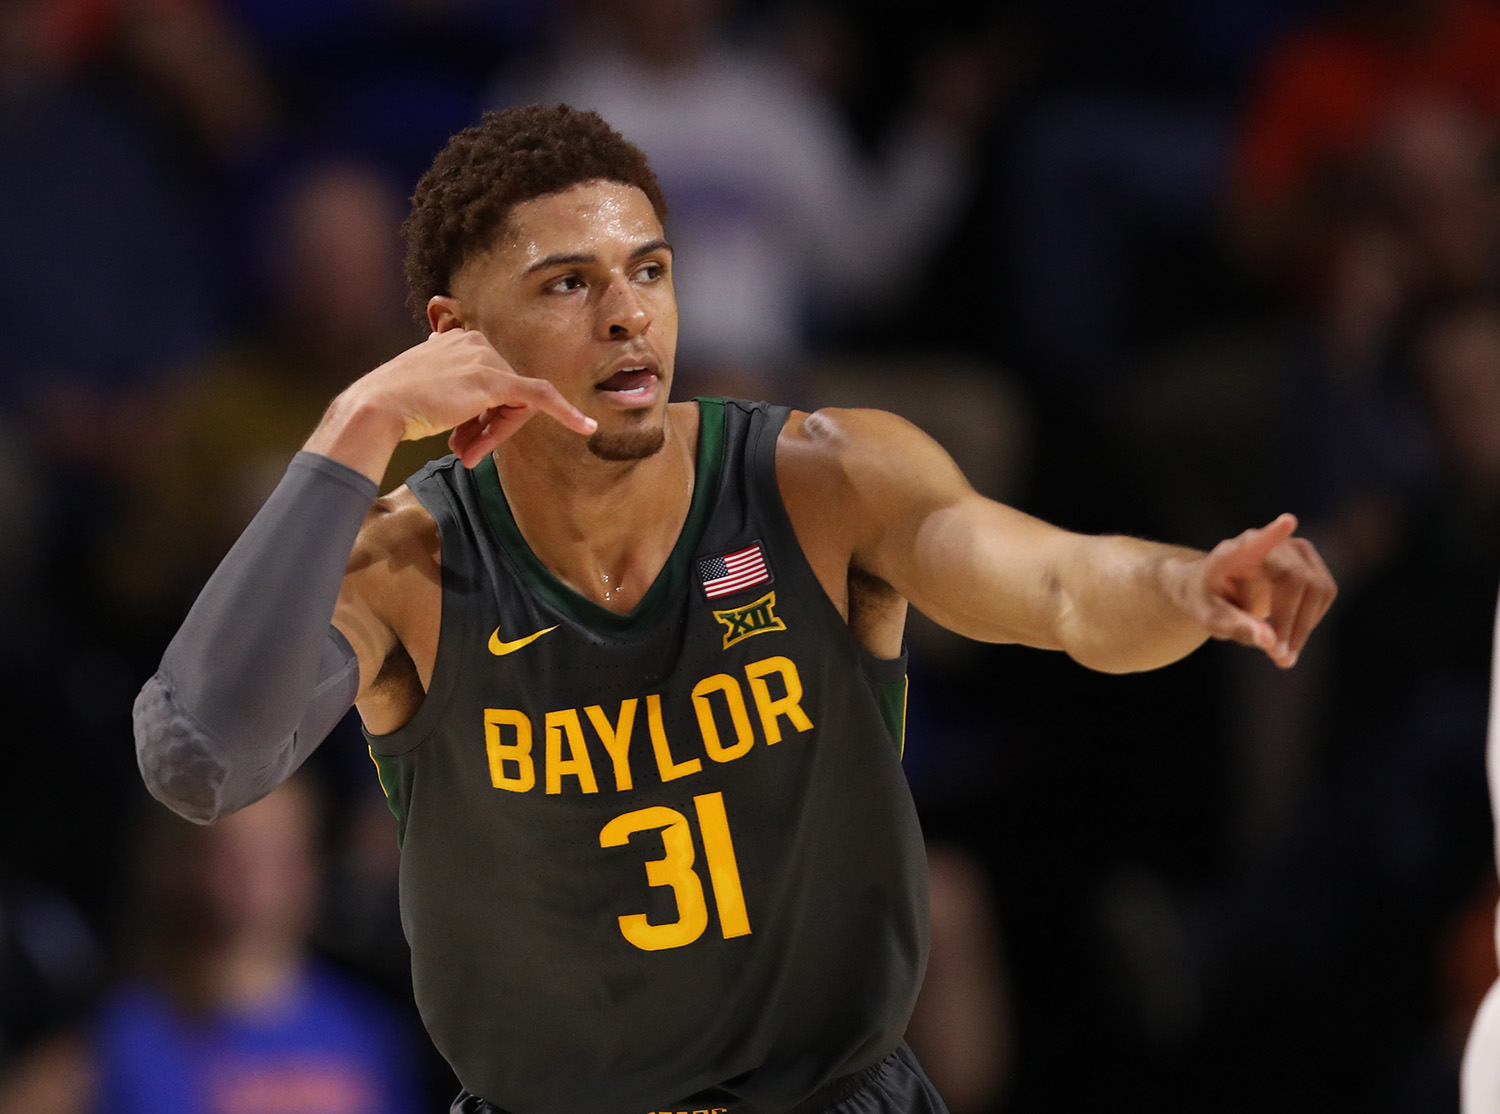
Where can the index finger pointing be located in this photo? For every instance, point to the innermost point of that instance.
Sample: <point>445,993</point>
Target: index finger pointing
<point>1250,548</point>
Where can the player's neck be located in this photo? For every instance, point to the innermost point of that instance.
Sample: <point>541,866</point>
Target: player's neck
<point>605,528</point>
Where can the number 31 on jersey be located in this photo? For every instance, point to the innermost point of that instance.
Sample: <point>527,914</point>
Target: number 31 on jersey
<point>675,869</point>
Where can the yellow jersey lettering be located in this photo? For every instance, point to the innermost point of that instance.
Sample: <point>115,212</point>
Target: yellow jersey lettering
<point>674,869</point>
<point>516,753</point>
<point>616,738</point>
<point>738,715</point>
<point>669,768</point>
<point>725,726</point>
<point>723,869</point>
<point>564,725</point>
<point>771,710</point>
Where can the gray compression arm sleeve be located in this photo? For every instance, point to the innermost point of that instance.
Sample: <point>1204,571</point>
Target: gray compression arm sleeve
<point>257,677</point>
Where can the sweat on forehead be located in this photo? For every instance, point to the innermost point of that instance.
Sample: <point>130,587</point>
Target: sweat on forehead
<point>584,224</point>
<point>462,204</point>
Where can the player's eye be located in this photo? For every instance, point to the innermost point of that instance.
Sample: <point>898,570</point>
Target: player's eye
<point>564,285</point>
<point>650,272</point>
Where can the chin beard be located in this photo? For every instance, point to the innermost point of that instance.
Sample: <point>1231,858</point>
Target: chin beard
<point>635,444</point>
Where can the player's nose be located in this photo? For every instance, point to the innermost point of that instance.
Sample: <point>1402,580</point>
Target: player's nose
<point>623,312</point>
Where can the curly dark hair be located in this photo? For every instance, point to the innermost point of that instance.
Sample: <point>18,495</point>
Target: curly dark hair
<point>461,204</point>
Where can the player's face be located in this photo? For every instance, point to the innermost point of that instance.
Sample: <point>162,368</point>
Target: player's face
<point>578,291</point>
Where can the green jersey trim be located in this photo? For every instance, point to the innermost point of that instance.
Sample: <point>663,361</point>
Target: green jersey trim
<point>672,579</point>
<point>891,697</point>
<point>396,789</point>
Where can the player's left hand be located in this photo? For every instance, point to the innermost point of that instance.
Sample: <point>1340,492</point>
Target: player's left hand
<point>1263,588</point>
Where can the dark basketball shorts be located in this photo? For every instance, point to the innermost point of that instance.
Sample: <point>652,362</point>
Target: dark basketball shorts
<point>896,1085</point>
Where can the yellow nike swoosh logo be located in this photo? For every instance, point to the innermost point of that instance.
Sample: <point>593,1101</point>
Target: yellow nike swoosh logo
<point>500,649</point>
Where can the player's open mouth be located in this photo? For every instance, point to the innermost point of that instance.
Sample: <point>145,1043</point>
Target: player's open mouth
<point>630,383</point>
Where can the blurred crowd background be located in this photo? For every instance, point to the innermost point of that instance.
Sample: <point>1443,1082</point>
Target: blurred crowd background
<point>1167,267</point>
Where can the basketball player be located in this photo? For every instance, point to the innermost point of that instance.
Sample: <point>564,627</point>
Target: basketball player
<point>631,670</point>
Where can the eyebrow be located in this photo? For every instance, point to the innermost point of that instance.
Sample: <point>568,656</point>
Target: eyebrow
<point>570,258</point>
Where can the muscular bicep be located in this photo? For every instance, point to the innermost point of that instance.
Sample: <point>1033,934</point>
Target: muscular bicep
<point>978,567</point>
<point>362,613</point>
<point>388,609</point>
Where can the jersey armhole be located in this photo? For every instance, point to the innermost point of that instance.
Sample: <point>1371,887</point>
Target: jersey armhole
<point>453,634</point>
<point>880,672</point>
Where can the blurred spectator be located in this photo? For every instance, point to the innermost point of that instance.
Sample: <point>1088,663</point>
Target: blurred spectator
<point>104,284</point>
<point>961,1028</point>
<point>1114,174</point>
<point>1389,856</point>
<point>183,60</point>
<point>1319,408</point>
<point>1095,179</point>
<point>1325,98</point>
<point>101,254</point>
<point>222,434</point>
<point>1321,966</point>
<point>194,66</point>
<point>1426,608</point>
<point>50,964</point>
<point>225,1012</point>
<point>1425,230</point>
<point>385,81</point>
<point>780,227</point>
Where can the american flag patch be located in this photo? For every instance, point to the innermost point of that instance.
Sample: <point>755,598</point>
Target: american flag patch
<point>726,573</point>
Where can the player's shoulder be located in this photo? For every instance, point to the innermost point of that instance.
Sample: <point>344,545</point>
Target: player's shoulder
<point>833,429</point>
<point>863,467</point>
<point>847,443</point>
<point>397,527</point>
<point>847,474</point>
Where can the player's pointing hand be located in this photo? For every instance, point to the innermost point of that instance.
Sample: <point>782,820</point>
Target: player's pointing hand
<point>1264,588</point>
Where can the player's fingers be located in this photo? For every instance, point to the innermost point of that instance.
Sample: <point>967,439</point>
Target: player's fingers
<point>1287,607</point>
<point>540,395</point>
<point>1317,597</point>
<point>1226,621</point>
<point>473,439</point>
<point>1255,594</point>
<point>1248,551</point>
<point>516,396</point>
<point>464,441</point>
<point>1230,623</point>
<point>1309,612</point>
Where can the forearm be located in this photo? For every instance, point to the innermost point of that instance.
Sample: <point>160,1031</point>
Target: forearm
<point>255,676</point>
<point>1118,605</point>
<point>996,574</point>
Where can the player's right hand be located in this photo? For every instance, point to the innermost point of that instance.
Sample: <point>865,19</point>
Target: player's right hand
<point>454,380</point>
<point>1264,588</point>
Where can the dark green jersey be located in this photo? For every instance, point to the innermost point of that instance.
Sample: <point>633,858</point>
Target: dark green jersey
<point>665,860</point>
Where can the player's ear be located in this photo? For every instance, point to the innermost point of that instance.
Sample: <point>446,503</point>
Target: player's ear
<point>444,313</point>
